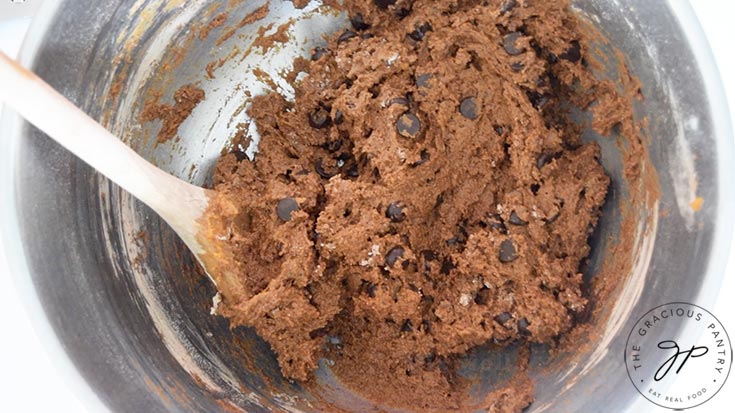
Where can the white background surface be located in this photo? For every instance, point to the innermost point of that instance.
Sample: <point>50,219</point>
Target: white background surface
<point>30,382</point>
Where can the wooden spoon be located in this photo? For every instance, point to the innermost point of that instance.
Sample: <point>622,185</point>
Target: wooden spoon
<point>182,205</point>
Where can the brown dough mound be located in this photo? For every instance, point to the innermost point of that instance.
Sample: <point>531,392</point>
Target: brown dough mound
<point>425,194</point>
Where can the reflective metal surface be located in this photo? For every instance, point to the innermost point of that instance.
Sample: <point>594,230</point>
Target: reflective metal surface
<point>131,310</point>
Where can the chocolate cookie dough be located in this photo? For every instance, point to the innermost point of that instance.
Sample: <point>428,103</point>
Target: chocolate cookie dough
<point>426,193</point>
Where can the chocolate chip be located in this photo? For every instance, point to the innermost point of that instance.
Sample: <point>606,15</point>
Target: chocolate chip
<point>358,22</point>
<point>498,130</point>
<point>352,171</point>
<point>318,167</point>
<point>321,332</point>
<point>523,327</point>
<point>408,125</point>
<point>509,44</point>
<point>423,80</point>
<point>287,176</point>
<point>496,222</point>
<point>544,159</point>
<point>347,35</point>
<point>516,220</point>
<point>399,101</point>
<point>318,53</point>
<point>428,257</point>
<point>348,82</point>
<point>240,155</point>
<point>285,207</point>
<point>383,4</point>
<point>502,318</point>
<point>394,212</point>
<point>344,156</point>
<point>468,108</point>
<point>406,327</point>
<point>516,66</point>
<point>538,100</point>
<point>393,256</point>
<point>339,117</point>
<point>319,118</point>
<point>411,267</point>
<point>368,288</point>
<point>420,32</point>
<point>507,251</point>
<point>447,266</point>
<point>403,13</point>
<point>333,146</point>
<point>460,236</point>
<point>508,6</point>
<point>483,296</point>
<point>573,53</point>
<point>425,157</point>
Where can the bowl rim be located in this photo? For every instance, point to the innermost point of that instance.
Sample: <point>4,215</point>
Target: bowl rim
<point>12,126</point>
<point>725,153</point>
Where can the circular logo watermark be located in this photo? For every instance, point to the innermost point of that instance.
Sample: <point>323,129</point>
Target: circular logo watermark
<point>678,355</point>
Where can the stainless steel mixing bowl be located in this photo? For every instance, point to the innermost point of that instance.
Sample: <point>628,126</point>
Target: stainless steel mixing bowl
<point>120,303</point>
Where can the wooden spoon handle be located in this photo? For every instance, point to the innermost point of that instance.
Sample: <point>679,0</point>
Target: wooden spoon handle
<point>179,203</point>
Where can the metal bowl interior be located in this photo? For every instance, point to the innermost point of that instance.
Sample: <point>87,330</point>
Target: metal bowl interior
<point>126,299</point>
